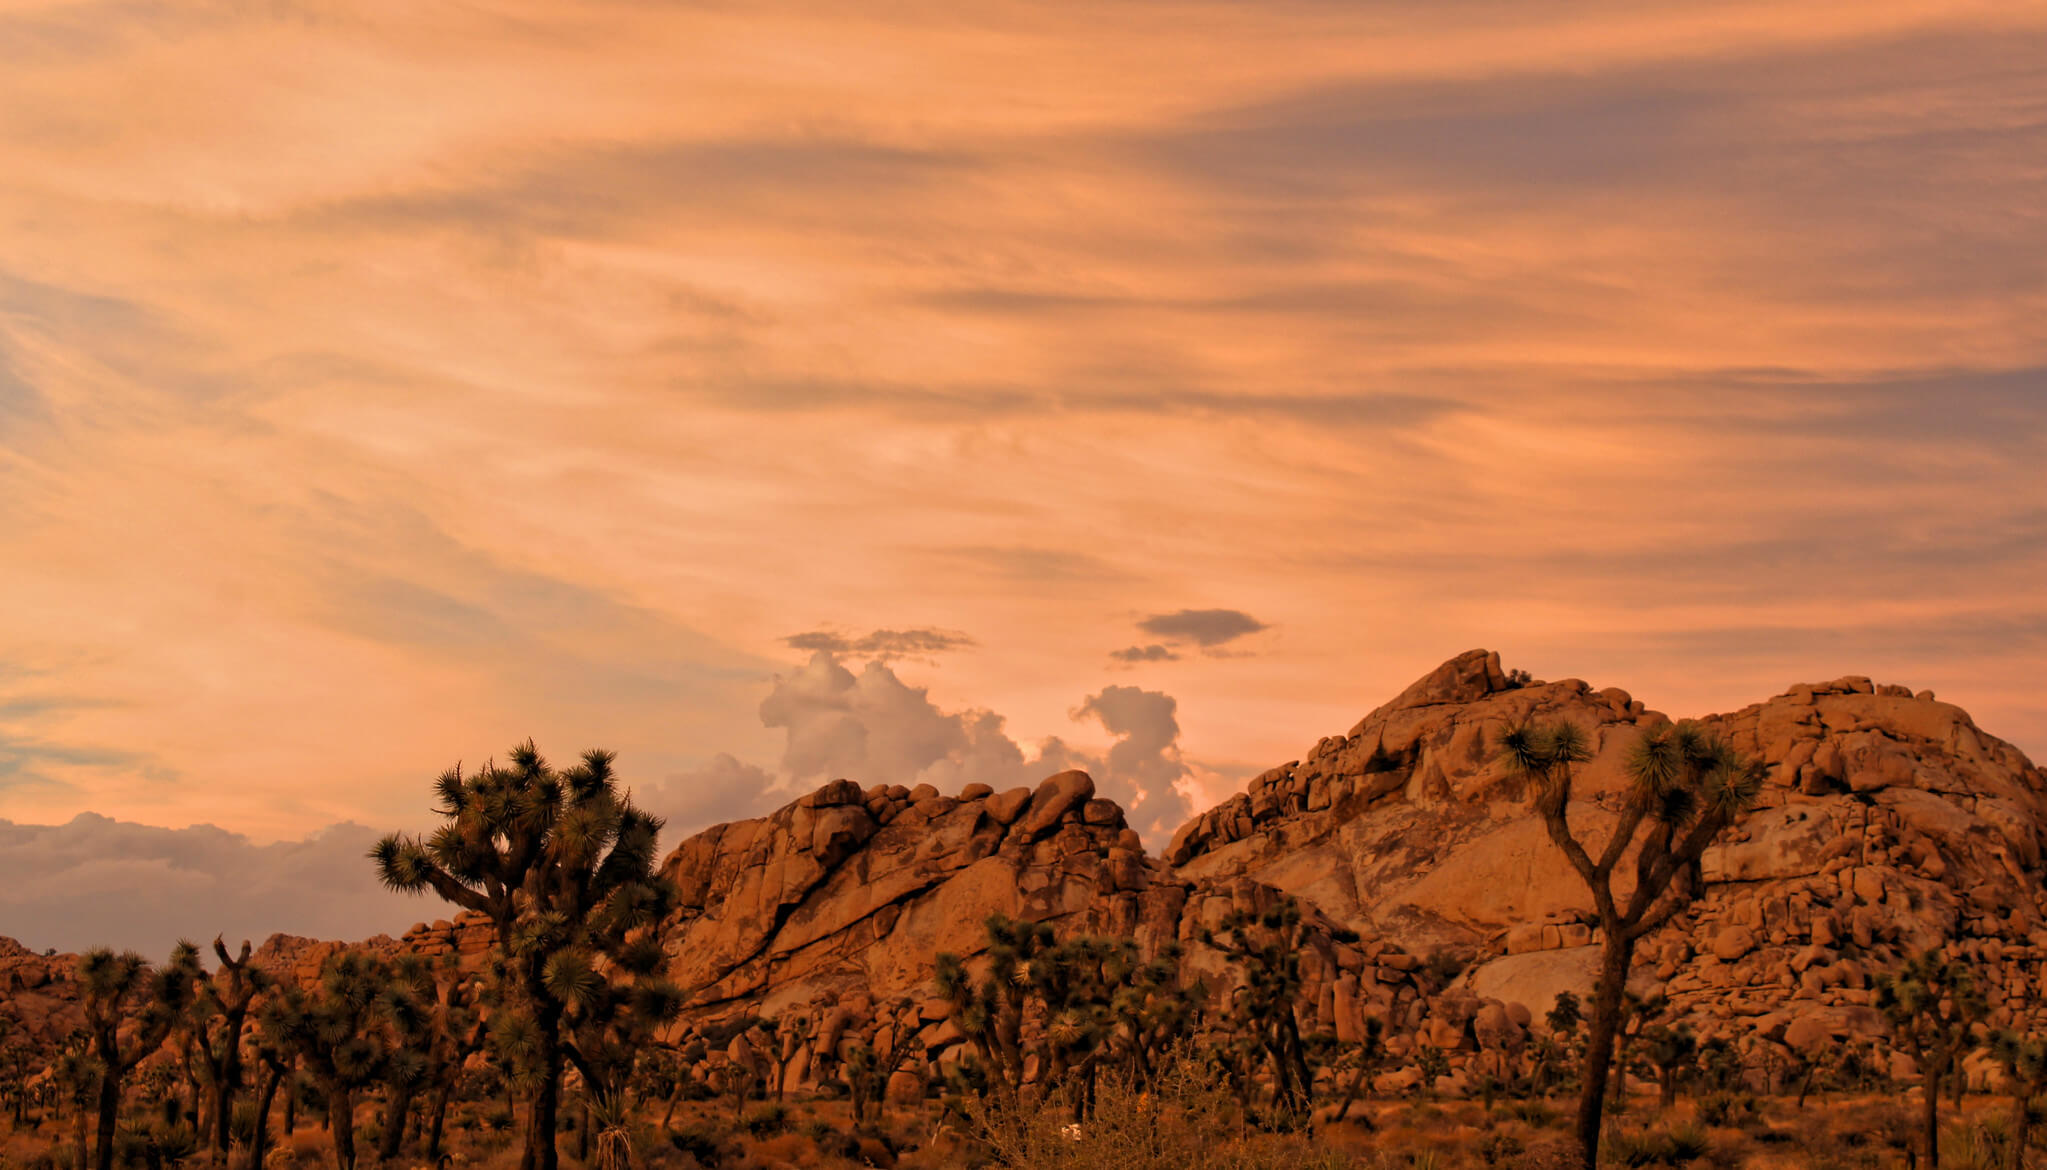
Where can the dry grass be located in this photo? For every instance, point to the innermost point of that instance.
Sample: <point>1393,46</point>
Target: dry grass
<point>1191,1125</point>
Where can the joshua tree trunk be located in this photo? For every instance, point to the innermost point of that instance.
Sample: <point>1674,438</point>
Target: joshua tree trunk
<point>394,1123</point>
<point>1619,1100</point>
<point>439,1116</point>
<point>1350,1091</point>
<point>1618,956</point>
<point>259,1140</point>
<point>1929,1116</point>
<point>109,1110</point>
<point>540,1153</point>
<point>78,1125</point>
<point>341,1122</point>
<point>291,1095</point>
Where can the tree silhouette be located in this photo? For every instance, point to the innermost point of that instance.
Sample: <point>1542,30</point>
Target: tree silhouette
<point>1267,949</point>
<point>2025,1073</point>
<point>336,1030</point>
<point>990,1012</point>
<point>76,1075</point>
<point>1671,1050</point>
<point>130,1010</point>
<point>17,1060</point>
<point>220,1012</point>
<point>1150,1008</point>
<point>563,865</point>
<point>1364,1057</point>
<point>1686,785</point>
<point>1933,1005</point>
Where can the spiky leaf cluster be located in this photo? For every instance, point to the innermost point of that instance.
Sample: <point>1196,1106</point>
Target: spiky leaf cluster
<point>990,1012</point>
<point>1934,1007</point>
<point>569,847</point>
<point>1686,785</point>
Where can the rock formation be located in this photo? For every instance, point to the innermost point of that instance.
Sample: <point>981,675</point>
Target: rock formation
<point>1890,823</point>
<point>1436,903</point>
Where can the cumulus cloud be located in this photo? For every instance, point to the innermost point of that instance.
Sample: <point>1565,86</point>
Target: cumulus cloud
<point>872,727</point>
<point>1143,771</point>
<point>101,882</point>
<point>725,788</point>
<point>883,645</point>
<point>1206,628</point>
<point>1152,653</point>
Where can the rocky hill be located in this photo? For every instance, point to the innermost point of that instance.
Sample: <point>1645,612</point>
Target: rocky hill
<point>1890,823</point>
<point>1435,902</point>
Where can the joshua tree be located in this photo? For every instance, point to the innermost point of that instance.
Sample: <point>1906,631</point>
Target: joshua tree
<point>1686,786</point>
<point>275,1072</point>
<point>1433,1065</point>
<point>1565,1015</point>
<point>130,1010</point>
<point>17,1058</point>
<point>990,1013</point>
<point>1150,1007</point>
<point>1267,947</point>
<point>453,1032</point>
<point>2025,1073</point>
<point>562,864</point>
<point>1671,1050</point>
<point>1369,1051</point>
<point>76,1077</point>
<point>1636,1012</point>
<point>406,1007</point>
<point>866,1073</point>
<point>220,1013</point>
<point>1933,1005</point>
<point>337,1031</point>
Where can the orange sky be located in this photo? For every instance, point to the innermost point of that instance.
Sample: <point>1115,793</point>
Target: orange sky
<point>383,383</point>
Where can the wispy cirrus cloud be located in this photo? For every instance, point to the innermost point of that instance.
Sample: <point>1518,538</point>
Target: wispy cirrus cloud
<point>405,381</point>
<point>882,645</point>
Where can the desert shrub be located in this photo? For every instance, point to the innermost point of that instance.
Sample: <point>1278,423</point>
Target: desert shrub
<point>1966,1146</point>
<point>241,1124</point>
<point>766,1121</point>
<point>1722,1109</point>
<point>699,1142</point>
<point>1501,1149</point>
<point>1657,1148</point>
<point>830,1141</point>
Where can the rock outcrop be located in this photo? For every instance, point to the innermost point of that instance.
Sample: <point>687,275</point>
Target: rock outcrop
<point>1889,823</point>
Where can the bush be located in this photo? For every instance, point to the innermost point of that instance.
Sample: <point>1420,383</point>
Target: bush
<point>699,1142</point>
<point>1674,1147</point>
<point>1723,1109</point>
<point>766,1121</point>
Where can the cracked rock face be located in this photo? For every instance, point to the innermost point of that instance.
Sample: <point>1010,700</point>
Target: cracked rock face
<point>858,889</point>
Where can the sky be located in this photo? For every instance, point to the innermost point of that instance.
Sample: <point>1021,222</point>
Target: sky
<point>941,393</point>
